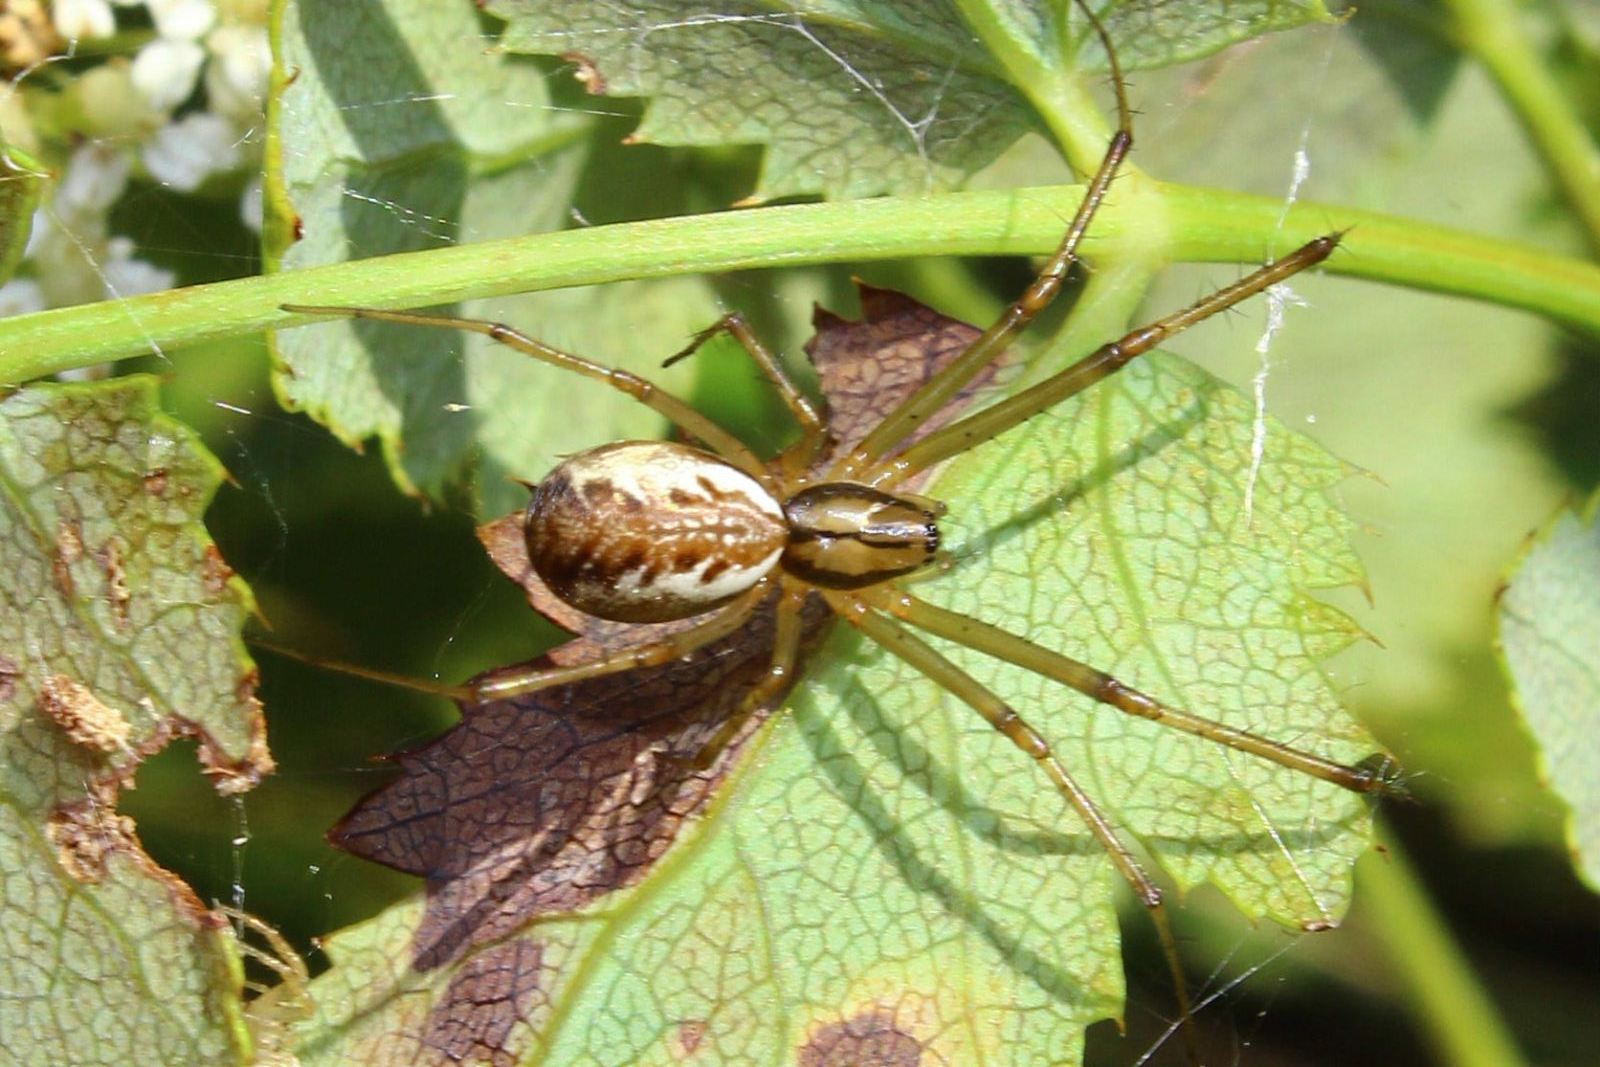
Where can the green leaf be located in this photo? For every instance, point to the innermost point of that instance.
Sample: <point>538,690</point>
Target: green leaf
<point>850,99</point>
<point>856,97</point>
<point>479,150</point>
<point>118,632</point>
<point>1550,639</point>
<point>1159,34</point>
<point>884,867</point>
<point>21,184</point>
<point>1355,355</point>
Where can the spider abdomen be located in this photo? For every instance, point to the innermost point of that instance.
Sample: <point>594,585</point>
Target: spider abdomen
<point>650,531</point>
<point>848,536</point>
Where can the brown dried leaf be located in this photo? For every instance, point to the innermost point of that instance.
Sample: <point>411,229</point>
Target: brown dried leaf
<point>869,365</point>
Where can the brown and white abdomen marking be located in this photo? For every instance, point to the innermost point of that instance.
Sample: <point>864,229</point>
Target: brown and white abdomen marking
<point>649,531</point>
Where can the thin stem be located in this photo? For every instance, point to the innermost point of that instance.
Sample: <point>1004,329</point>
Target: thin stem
<point>1461,1018</point>
<point>1493,32</point>
<point>1048,81</point>
<point>1200,224</point>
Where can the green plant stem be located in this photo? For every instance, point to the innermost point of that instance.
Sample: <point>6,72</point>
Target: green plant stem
<point>1445,992</point>
<point>1196,224</point>
<point>1056,93</point>
<point>1493,32</point>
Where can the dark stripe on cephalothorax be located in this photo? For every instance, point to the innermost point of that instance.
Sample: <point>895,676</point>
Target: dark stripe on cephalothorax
<point>848,536</point>
<point>926,535</point>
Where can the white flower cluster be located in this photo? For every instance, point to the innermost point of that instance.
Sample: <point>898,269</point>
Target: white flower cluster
<point>185,108</point>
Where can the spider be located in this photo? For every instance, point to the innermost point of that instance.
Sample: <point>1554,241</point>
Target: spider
<point>656,531</point>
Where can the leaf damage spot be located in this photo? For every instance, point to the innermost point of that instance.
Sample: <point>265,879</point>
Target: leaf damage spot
<point>869,1038</point>
<point>82,716</point>
<point>587,74</point>
<point>9,673</point>
<point>688,1037</point>
<point>232,776</point>
<point>155,481</point>
<point>473,1019</point>
<point>215,571</point>
<point>69,550</point>
<point>86,834</point>
<point>116,582</point>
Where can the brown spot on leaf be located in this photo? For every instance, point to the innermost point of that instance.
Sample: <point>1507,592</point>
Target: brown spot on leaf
<point>216,571</point>
<point>155,482</point>
<point>871,1039</point>
<point>690,1033</point>
<point>86,834</point>
<point>588,75</point>
<point>69,550</point>
<point>230,776</point>
<point>487,996</point>
<point>116,582</point>
<point>9,673</point>
<point>89,833</point>
<point>82,716</point>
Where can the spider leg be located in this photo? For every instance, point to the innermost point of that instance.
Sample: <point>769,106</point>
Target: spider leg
<point>993,641</point>
<point>371,674</point>
<point>923,657</point>
<point>939,389</point>
<point>679,413</point>
<point>813,428</point>
<point>787,624</point>
<point>718,624</point>
<point>1104,361</point>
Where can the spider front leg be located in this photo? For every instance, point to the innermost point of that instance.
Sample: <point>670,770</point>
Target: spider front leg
<point>942,388</point>
<point>1103,362</point>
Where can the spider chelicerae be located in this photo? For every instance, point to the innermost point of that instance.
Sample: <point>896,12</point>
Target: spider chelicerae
<point>656,531</point>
